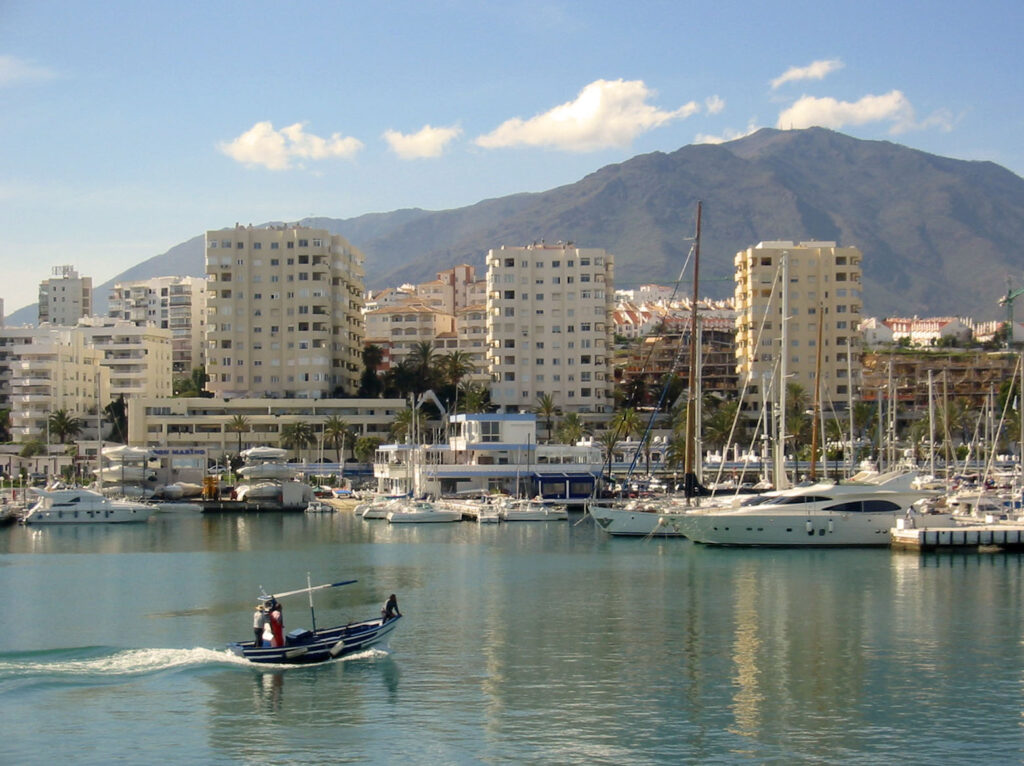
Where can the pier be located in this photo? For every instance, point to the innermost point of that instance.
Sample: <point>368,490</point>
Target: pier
<point>1007,537</point>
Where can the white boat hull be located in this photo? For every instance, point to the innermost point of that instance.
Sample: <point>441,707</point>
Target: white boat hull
<point>81,506</point>
<point>636,522</point>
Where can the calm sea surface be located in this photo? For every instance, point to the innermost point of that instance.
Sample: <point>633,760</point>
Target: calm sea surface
<point>521,643</point>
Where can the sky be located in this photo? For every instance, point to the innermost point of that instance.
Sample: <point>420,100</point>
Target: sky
<point>129,127</point>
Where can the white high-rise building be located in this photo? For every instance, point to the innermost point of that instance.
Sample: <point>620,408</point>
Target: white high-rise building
<point>548,326</point>
<point>139,358</point>
<point>65,297</point>
<point>283,313</point>
<point>45,369</point>
<point>177,304</point>
<point>824,301</point>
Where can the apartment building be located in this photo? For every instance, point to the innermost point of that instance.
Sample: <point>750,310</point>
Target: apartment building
<point>45,369</point>
<point>284,312</point>
<point>65,297</point>
<point>177,304</point>
<point>548,326</point>
<point>401,328</point>
<point>185,423</point>
<point>139,358</point>
<point>824,301</point>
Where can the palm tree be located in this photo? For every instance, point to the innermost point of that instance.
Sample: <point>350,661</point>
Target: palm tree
<point>718,423</point>
<point>571,429</point>
<point>626,423</point>
<point>402,425</point>
<point>297,436</point>
<point>5,425</point>
<point>370,386</point>
<point>424,361</point>
<point>337,432</point>
<point>402,379</point>
<point>455,366</point>
<point>548,410</point>
<point>608,439</point>
<point>62,425</point>
<point>475,397</point>
<point>239,424</point>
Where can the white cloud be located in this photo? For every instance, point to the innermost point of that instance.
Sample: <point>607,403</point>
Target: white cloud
<point>813,71</point>
<point>14,71</point>
<point>830,113</point>
<point>606,113</point>
<point>427,142</point>
<point>727,135</point>
<point>714,104</point>
<point>276,149</point>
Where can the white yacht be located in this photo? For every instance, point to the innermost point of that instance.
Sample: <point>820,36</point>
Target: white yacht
<point>420,512</point>
<point>83,506</point>
<point>531,510</point>
<point>823,514</point>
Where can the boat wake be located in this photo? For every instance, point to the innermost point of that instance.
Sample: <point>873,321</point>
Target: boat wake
<point>97,665</point>
<point>102,665</point>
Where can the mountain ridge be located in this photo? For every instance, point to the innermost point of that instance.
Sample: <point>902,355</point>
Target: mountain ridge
<point>938,234</point>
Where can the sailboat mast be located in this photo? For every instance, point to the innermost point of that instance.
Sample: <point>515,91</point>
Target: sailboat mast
<point>813,472</point>
<point>780,479</point>
<point>690,478</point>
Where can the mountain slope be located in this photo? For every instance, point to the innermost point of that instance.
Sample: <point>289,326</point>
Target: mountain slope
<point>939,236</point>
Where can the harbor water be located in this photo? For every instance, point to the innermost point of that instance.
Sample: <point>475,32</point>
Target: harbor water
<point>520,643</point>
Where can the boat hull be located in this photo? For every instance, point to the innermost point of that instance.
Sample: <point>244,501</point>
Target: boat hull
<point>812,529</point>
<point>303,647</point>
<point>623,522</point>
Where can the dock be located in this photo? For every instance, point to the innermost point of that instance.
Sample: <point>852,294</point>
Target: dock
<point>1006,537</point>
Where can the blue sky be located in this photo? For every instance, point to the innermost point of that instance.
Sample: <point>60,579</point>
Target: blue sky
<point>129,127</point>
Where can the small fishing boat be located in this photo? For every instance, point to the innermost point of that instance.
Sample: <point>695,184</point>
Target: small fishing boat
<point>304,647</point>
<point>319,506</point>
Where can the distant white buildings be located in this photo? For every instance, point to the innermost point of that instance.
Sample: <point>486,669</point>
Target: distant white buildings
<point>177,304</point>
<point>65,297</point>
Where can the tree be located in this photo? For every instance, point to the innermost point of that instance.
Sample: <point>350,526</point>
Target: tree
<point>239,424</point>
<point>718,422</point>
<point>547,409</point>
<point>194,384</point>
<point>608,439</point>
<point>474,397</point>
<point>423,360</point>
<point>402,425</point>
<point>297,436</point>
<point>63,425</point>
<point>370,385</point>
<point>626,423</point>
<point>455,366</point>
<point>402,379</point>
<point>364,448</point>
<point>337,433</point>
<point>117,411</point>
<point>5,425</point>
<point>571,429</point>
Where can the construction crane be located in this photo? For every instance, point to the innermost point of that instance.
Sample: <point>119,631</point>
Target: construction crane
<point>1007,300</point>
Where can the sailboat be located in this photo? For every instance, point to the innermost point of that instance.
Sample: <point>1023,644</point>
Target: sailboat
<point>659,518</point>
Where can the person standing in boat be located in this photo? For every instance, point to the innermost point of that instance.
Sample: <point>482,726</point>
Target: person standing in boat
<point>276,623</point>
<point>259,624</point>
<point>390,609</point>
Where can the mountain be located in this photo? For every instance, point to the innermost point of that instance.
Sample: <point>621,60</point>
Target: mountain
<point>939,236</point>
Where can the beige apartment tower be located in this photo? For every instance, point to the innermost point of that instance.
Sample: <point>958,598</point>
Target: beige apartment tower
<point>548,327</point>
<point>283,313</point>
<point>824,305</point>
